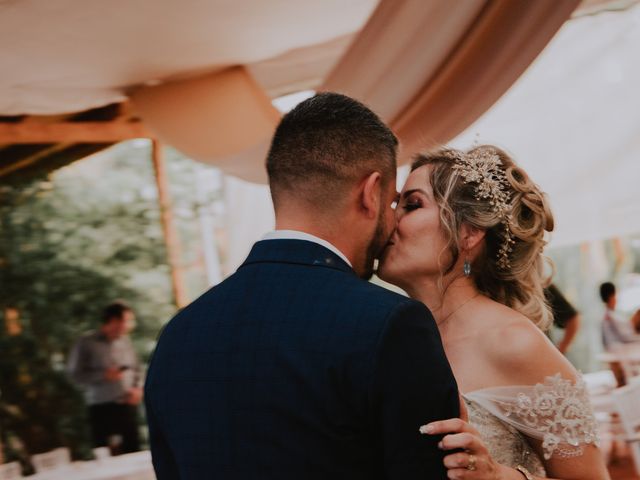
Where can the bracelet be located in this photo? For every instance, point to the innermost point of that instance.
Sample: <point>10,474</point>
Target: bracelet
<point>525,472</point>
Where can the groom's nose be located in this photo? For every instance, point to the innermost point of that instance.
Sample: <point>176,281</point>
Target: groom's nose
<point>398,213</point>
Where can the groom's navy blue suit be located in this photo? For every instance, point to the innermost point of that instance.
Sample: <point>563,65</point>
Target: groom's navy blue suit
<point>294,368</point>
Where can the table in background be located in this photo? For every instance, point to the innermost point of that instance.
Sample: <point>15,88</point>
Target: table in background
<point>131,466</point>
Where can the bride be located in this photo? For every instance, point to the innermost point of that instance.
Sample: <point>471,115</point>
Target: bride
<point>468,243</point>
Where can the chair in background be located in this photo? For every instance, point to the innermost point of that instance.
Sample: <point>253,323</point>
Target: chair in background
<point>10,471</point>
<point>600,386</point>
<point>102,453</point>
<point>627,401</point>
<point>599,383</point>
<point>631,369</point>
<point>53,460</point>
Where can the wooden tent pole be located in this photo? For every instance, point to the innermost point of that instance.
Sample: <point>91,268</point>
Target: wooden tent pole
<point>171,238</point>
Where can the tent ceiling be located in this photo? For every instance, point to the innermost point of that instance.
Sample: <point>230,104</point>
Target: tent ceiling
<point>80,56</point>
<point>72,55</point>
<point>69,66</point>
<point>85,54</point>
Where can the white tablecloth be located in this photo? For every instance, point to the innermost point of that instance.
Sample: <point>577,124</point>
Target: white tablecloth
<point>132,466</point>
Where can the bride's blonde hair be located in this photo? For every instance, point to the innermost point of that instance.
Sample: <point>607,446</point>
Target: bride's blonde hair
<point>519,282</point>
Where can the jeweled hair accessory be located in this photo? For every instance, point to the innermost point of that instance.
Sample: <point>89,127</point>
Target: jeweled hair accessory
<point>483,167</point>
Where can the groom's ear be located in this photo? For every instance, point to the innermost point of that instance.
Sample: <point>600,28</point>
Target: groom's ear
<point>370,193</point>
<point>470,236</point>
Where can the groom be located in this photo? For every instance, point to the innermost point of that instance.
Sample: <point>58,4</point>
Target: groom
<point>295,367</point>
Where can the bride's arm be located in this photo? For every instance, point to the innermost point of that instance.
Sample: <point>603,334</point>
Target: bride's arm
<point>529,359</point>
<point>523,356</point>
<point>589,465</point>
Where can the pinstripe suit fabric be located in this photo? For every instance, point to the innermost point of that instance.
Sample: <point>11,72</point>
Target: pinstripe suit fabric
<point>295,368</point>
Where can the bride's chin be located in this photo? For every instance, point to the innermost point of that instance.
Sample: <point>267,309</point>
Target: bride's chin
<point>386,273</point>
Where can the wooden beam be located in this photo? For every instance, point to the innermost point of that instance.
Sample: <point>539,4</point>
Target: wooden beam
<point>171,236</point>
<point>72,132</point>
<point>27,161</point>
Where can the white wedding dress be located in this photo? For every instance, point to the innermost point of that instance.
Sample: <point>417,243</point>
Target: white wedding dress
<point>556,412</point>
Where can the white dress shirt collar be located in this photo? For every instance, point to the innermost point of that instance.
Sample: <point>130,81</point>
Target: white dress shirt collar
<point>297,235</point>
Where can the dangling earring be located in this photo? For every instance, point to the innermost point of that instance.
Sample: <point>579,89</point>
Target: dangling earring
<point>466,268</point>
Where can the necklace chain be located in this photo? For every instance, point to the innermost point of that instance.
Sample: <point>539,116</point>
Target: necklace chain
<point>445,319</point>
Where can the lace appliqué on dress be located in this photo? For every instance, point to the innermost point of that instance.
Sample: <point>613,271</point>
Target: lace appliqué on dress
<point>558,412</point>
<point>505,443</point>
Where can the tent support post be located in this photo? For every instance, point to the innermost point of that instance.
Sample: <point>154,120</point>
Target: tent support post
<point>171,237</point>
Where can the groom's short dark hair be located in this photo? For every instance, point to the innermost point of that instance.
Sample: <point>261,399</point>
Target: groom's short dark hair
<point>326,144</point>
<point>116,310</point>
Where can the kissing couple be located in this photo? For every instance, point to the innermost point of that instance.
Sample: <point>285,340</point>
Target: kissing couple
<point>296,367</point>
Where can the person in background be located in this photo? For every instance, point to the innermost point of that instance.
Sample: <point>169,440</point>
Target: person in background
<point>635,321</point>
<point>615,331</point>
<point>104,363</point>
<point>565,316</point>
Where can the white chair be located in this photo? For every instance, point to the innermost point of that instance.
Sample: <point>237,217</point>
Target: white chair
<point>53,460</point>
<point>631,369</point>
<point>10,471</point>
<point>102,453</point>
<point>600,386</point>
<point>627,401</point>
<point>601,382</point>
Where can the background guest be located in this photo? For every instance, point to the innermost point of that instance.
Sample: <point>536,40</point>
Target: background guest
<point>615,331</point>
<point>105,364</point>
<point>565,316</point>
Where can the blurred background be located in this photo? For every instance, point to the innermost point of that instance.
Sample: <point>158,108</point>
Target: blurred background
<point>133,135</point>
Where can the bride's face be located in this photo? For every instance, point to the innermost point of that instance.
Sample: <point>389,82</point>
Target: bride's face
<point>417,248</point>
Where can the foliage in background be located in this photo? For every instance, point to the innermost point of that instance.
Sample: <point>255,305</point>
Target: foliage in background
<point>69,245</point>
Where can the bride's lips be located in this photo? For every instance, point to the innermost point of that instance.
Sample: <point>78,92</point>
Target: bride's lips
<point>391,241</point>
<point>385,249</point>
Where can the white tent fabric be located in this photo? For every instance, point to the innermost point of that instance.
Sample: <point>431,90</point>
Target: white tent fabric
<point>413,61</point>
<point>250,217</point>
<point>573,122</point>
<point>86,54</point>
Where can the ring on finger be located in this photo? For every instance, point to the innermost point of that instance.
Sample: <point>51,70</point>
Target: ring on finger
<point>471,466</point>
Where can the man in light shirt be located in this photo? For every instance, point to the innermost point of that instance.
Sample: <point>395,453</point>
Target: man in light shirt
<point>615,331</point>
<point>104,363</point>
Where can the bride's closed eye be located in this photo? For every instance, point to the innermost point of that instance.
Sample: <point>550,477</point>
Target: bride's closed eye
<point>411,204</point>
<point>413,199</point>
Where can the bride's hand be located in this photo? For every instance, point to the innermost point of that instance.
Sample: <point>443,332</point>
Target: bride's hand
<point>472,460</point>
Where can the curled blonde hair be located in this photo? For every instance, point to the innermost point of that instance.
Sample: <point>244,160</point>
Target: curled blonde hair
<point>520,286</point>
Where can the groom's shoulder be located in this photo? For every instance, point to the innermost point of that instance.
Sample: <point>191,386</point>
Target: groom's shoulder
<point>380,299</point>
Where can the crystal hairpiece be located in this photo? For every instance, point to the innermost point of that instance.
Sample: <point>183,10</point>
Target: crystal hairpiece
<point>483,167</point>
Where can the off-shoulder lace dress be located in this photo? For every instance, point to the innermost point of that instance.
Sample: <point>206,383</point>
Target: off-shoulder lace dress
<point>556,412</point>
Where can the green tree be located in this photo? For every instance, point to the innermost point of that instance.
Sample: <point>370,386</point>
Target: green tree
<point>71,243</point>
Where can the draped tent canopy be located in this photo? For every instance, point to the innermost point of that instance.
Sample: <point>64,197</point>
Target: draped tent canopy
<point>201,75</point>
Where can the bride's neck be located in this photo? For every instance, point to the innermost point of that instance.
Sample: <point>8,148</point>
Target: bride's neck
<point>445,296</point>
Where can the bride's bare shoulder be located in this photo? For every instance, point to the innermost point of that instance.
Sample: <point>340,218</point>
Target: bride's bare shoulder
<point>520,351</point>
